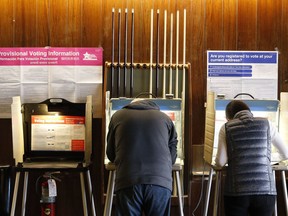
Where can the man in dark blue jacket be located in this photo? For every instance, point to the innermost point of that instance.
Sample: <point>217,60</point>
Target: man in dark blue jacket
<point>142,142</point>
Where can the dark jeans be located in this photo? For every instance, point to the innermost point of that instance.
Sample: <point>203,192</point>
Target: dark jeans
<point>254,205</point>
<point>153,200</point>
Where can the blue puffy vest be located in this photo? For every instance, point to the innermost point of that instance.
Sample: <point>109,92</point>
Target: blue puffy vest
<point>249,155</point>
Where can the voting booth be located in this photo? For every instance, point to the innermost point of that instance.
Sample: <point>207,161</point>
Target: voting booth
<point>174,109</point>
<point>283,121</point>
<point>275,111</point>
<point>53,135</point>
<point>124,80</point>
<point>215,118</point>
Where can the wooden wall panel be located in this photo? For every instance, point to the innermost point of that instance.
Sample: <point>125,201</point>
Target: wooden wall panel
<point>283,57</point>
<point>117,5</point>
<point>107,31</point>
<point>74,23</point>
<point>268,24</point>
<point>229,25</point>
<point>211,24</point>
<point>92,31</point>
<point>6,23</point>
<point>247,25</point>
<point>25,23</point>
<point>268,29</point>
<point>58,23</point>
<point>131,5</point>
<point>169,6</point>
<point>214,25</point>
<point>157,7</point>
<point>197,57</point>
<point>42,23</point>
<point>142,31</point>
<point>181,5</point>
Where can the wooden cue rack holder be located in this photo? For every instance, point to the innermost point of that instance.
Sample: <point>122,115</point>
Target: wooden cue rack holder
<point>145,65</point>
<point>119,68</point>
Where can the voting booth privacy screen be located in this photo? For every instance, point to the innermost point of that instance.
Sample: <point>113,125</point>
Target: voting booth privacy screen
<point>54,130</point>
<point>215,118</point>
<point>283,122</point>
<point>235,72</point>
<point>172,107</point>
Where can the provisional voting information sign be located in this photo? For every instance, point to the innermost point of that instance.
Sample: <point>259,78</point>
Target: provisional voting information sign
<point>39,73</point>
<point>232,72</point>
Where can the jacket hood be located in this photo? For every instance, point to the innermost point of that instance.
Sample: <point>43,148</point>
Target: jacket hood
<point>142,105</point>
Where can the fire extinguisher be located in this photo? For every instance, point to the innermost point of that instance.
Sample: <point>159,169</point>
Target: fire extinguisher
<point>48,194</point>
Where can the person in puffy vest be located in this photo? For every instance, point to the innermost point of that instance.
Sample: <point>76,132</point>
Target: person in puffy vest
<point>244,144</point>
<point>142,142</point>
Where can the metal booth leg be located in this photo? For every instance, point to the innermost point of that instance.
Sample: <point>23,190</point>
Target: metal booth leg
<point>16,186</point>
<point>275,209</point>
<point>25,185</point>
<point>217,191</point>
<point>208,190</point>
<point>84,201</point>
<point>91,193</point>
<point>91,198</point>
<point>110,193</point>
<point>285,190</point>
<point>179,190</point>
<point>24,196</point>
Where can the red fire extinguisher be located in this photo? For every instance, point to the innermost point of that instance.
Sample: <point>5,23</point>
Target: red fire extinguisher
<point>48,194</point>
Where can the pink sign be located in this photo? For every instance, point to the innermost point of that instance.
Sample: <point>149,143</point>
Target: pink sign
<point>51,56</point>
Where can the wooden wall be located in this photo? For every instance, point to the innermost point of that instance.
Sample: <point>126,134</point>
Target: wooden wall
<point>211,25</point>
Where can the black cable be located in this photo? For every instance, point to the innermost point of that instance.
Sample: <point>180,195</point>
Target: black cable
<point>37,186</point>
<point>145,93</point>
<point>201,192</point>
<point>244,94</point>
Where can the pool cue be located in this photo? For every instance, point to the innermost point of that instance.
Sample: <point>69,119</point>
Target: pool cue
<point>125,53</point>
<point>177,54</point>
<point>132,55</point>
<point>164,55</point>
<point>151,52</point>
<point>119,53</point>
<point>184,54</point>
<point>171,54</point>
<point>112,55</point>
<point>157,55</point>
